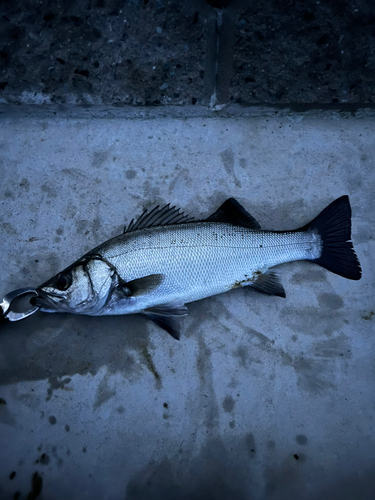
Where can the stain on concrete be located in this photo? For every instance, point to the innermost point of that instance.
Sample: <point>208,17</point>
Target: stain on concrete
<point>55,384</point>
<point>215,474</point>
<point>82,225</point>
<point>203,361</point>
<point>36,486</point>
<point>250,445</point>
<point>312,376</point>
<point>99,157</point>
<point>25,184</point>
<point>130,174</point>
<point>355,182</point>
<point>228,404</point>
<point>333,347</point>
<point>50,191</point>
<point>369,316</point>
<point>151,366</point>
<point>282,479</point>
<point>301,439</point>
<point>227,157</point>
<point>75,174</point>
<point>283,216</point>
<point>153,191</point>
<point>232,424</point>
<point>207,398</point>
<point>6,417</point>
<point>96,225</point>
<point>243,355</point>
<point>67,428</point>
<point>315,371</point>
<point>256,339</point>
<point>104,392</point>
<point>43,459</point>
<point>8,228</point>
<point>243,163</point>
<point>2,401</point>
<point>308,276</point>
<point>330,301</point>
<point>52,420</point>
<point>8,194</point>
<point>79,345</point>
<point>311,320</point>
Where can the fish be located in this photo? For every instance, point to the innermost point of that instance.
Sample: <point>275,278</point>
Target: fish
<point>165,260</point>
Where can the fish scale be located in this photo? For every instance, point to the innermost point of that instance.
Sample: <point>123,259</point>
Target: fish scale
<point>198,260</point>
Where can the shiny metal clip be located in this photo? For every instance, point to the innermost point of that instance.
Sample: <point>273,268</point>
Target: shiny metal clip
<point>6,304</point>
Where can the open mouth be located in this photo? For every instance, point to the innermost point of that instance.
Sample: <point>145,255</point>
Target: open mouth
<point>45,300</point>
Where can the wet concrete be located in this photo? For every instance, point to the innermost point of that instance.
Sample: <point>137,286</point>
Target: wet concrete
<point>263,397</point>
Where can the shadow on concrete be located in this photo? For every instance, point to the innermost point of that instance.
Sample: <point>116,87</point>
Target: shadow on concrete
<point>54,346</point>
<point>232,470</point>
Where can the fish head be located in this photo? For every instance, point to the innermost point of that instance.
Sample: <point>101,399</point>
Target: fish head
<point>82,288</point>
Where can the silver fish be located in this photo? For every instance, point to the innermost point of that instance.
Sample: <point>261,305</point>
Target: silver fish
<point>165,260</point>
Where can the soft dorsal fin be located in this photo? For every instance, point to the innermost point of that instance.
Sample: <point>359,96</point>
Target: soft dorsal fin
<point>158,217</point>
<point>234,213</point>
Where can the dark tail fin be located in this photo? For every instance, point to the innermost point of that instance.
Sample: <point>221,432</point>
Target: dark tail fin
<point>334,227</point>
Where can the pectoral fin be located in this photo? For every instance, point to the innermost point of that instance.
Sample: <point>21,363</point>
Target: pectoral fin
<point>140,286</point>
<point>269,283</point>
<point>168,316</point>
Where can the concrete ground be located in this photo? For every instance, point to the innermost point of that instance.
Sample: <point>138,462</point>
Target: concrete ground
<point>263,397</point>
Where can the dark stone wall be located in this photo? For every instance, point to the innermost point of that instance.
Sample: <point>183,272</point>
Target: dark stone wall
<point>155,52</point>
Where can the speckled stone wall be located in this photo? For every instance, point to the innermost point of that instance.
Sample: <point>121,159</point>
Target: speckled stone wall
<point>186,52</point>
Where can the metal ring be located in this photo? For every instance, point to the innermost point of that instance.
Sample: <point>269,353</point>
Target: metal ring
<point>7,302</point>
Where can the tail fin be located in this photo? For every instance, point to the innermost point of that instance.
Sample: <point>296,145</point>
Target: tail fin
<point>334,227</point>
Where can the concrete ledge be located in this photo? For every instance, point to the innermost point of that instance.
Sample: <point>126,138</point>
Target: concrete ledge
<point>351,111</point>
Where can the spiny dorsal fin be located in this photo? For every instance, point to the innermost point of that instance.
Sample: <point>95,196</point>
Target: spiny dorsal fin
<point>168,316</point>
<point>232,212</point>
<point>269,283</point>
<point>158,217</point>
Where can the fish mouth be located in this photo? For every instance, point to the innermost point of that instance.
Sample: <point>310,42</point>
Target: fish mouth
<point>46,301</point>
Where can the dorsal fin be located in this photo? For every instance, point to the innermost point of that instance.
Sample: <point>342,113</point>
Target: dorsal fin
<point>158,217</point>
<point>234,213</point>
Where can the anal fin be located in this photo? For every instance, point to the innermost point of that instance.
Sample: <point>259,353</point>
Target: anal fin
<point>269,283</point>
<point>168,316</point>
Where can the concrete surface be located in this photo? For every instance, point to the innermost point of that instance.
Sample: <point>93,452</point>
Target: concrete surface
<point>185,52</point>
<point>263,397</point>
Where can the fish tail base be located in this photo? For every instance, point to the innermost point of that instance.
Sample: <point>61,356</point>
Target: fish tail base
<point>334,228</point>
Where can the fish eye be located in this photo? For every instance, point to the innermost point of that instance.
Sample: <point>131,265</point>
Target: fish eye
<point>63,281</point>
